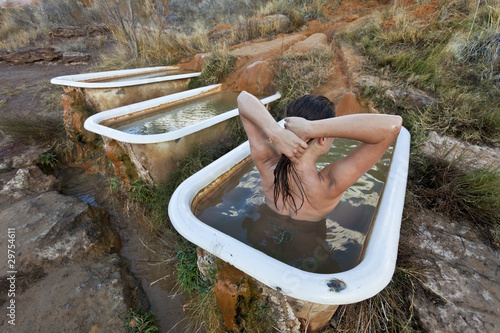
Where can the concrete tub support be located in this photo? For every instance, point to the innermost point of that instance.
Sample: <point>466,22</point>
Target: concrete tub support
<point>312,316</point>
<point>234,290</point>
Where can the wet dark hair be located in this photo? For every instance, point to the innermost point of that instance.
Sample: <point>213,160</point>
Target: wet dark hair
<point>310,107</point>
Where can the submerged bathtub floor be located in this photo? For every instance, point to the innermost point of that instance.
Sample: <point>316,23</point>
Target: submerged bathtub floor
<point>174,118</point>
<point>141,249</point>
<point>332,245</point>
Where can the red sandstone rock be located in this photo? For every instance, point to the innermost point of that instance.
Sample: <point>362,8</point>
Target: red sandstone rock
<point>347,105</point>
<point>75,32</point>
<point>67,32</point>
<point>258,78</point>
<point>313,42</point>
<point>75,57</point>
<point>193,64</point>
<point>32,55</point>
<point>351,18</point>
<point>254,71</point>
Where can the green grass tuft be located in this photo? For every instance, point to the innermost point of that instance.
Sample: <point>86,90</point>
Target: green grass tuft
<point>188,275</point>
<point>48,159</point>
<point>140,321</point>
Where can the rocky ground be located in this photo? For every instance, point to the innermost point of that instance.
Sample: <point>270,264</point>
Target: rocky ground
<point>69,267</point>
<point>80,266</point>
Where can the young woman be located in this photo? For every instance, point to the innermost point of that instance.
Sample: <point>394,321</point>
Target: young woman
<point>286,157</point>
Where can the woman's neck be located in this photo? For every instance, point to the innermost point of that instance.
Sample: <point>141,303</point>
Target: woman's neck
<point>308,160</point>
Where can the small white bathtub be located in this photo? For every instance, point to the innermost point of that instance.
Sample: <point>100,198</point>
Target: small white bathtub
<point>155,155</point>
<point>363,281</point>
<point>112,89</point>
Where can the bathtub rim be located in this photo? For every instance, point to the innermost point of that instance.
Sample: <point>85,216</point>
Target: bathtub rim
<point>77,80</point>
<point>93,123</point>
<point>363,281</point>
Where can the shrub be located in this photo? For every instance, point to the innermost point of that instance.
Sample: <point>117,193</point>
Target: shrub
<point>21,26</point>
<point>140,321</point>
<point>218,64</point>
<point>37,128</point>
<point>208,13</point>
<point>299,11</point>
<point>453,189</point>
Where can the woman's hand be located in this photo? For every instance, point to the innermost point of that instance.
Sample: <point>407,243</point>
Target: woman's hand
<point>299,126</point>
<point>289,144</point>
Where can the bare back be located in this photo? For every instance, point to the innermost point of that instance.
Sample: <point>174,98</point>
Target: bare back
<point>318,200</point>
<point>321,191</point>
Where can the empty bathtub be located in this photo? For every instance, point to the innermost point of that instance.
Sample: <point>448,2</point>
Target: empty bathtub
<point>373,272</point>
<point>112,89</point>
<point>156,153</point>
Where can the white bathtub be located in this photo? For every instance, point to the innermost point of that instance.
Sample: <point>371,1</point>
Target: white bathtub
<point>155,155</point>
<point>112,89</point>
<point>363,281</point>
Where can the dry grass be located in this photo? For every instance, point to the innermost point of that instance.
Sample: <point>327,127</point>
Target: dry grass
<point>299,11</point>
<point>204,313</point>
<point>391,310</point>
<point>260,27</point>
<point>215,66</point>
<point>21,26</point>
<point>12,33</point>
<point>297,75</point>
<point>145,35</point>
<point>192,14</point>
<point>36,129</point>
<point>451,188</point>
<point>455,56</point>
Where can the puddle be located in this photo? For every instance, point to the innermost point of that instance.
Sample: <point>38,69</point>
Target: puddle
<point>140,248</point>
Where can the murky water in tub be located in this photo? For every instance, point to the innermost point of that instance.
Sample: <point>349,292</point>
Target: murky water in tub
<point>141,76</point>
<point>177,117</point>
<point>332,245</point>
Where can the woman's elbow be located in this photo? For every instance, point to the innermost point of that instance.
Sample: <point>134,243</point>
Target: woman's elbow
<point>241,101</point>
<point>396,125</point>
<point>243,96</point>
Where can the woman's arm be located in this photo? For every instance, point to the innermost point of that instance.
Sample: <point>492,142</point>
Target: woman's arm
<point>375,131</point>
<point>267,138</point>
<point>368,128</point>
